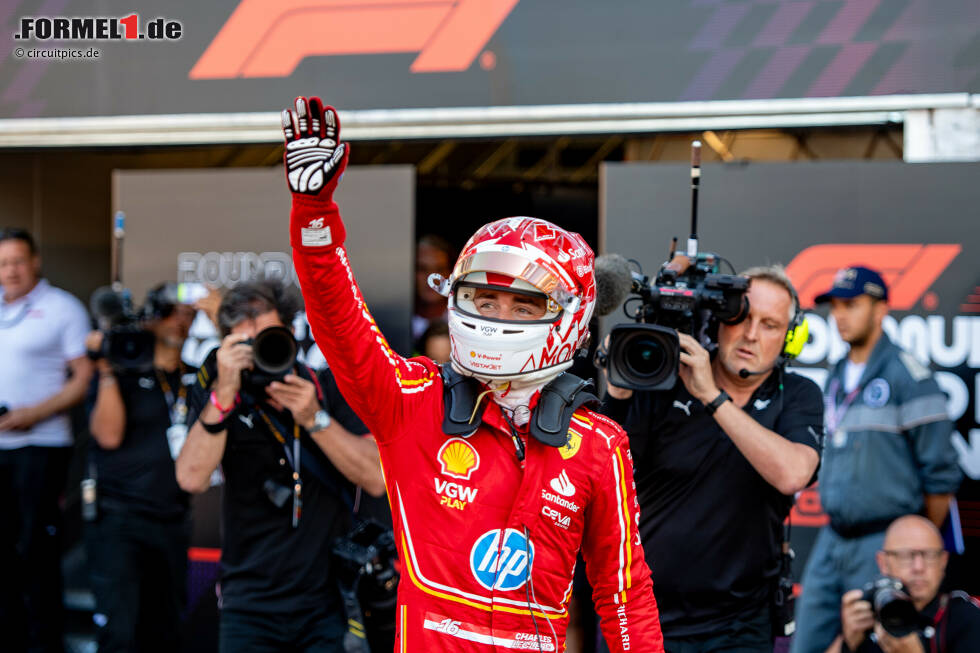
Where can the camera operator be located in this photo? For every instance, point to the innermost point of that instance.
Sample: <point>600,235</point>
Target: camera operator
<point>42,337</point>
<point>290,469</point>
<point>718,459</point>
<point>138,526</point>
<point>912,553</point>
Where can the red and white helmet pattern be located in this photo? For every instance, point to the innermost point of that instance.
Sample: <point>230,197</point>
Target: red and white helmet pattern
<point>526,255</point>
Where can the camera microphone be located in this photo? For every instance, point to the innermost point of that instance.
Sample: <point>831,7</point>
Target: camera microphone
<point>613,282</point>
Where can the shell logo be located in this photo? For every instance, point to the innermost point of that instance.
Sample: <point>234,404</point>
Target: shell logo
<point>472,354</point>
<point>458,458</point>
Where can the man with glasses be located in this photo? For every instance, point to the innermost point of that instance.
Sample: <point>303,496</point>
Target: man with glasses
<point>43,373</point>
<point>913,553</point>
<point>887,453</point>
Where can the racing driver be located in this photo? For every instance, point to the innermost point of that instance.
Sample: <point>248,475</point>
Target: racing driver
<point>497,472</point>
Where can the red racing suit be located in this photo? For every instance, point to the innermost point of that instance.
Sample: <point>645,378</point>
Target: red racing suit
<point>487,542</point>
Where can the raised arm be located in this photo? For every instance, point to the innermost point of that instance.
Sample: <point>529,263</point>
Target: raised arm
<point>376,381</point>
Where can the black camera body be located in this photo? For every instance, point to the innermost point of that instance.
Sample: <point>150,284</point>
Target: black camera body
<point>368,582</point>
<point>690,296</point>
<point>129,348</point>
<point>893,607</point>
<point>125,344</point>
<point>274,351</point>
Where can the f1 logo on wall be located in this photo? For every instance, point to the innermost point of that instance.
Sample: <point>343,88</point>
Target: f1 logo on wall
<point>909,270</point>
<point>270,39</point>
<point>501,560</point>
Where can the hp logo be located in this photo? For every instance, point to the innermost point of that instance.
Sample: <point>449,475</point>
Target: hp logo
<point>500,559</point>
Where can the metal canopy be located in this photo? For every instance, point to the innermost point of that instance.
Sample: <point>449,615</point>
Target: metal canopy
<point>480,122</point>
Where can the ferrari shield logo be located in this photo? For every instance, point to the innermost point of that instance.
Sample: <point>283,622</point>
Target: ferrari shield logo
<point>571,447</point>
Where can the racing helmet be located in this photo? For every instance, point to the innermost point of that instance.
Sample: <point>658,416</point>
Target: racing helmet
<point>524,256</point>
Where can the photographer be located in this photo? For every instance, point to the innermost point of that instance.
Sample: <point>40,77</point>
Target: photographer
<point>138,526</point>
<point>718,459</point>
<point>290,473</point>
<point>912,553</point>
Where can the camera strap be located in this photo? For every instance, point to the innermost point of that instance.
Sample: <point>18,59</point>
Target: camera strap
<point>176,406</point>
<point>307,463</point>
<point>294,461</point>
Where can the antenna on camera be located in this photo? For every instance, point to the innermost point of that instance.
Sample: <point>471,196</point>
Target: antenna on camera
<point>692,242</point>
<point>118,233</point>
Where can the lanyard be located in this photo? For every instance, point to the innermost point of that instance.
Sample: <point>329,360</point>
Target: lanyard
<point>178,407</point>
<point>293,461</point>
<point>835,413</point>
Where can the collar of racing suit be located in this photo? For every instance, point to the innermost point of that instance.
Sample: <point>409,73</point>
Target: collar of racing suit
<point>517,400</point>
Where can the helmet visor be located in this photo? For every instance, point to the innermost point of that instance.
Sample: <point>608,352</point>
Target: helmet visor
<point>517,266</point>
<point>470,301</point>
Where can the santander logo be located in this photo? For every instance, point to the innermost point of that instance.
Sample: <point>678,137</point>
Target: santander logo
<point>562,485</point>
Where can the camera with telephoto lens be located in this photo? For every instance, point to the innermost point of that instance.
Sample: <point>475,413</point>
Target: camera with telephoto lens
<point>688,295</point>
<point>893,607</point>
<point>368,583</point>
<point>125,344</point>
<point>274,352</point>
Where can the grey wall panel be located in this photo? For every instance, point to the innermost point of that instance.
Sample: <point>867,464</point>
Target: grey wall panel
<point>222,225</point>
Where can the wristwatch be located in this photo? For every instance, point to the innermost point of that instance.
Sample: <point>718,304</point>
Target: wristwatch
<point>719,400</point>
<point>320,421</point>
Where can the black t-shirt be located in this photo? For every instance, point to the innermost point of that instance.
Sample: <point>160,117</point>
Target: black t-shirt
<point>711,525</point>
<point>956,631</point>
<point>140,474</point>
<point>267,565</point>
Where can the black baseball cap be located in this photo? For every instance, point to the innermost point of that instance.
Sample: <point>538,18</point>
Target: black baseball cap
<point>854,281</point>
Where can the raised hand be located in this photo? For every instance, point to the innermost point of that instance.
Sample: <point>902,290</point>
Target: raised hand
<point>315,157</point>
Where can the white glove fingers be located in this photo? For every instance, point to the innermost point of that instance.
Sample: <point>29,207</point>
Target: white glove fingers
<point>331,123</point>
<point>288,127</point>
<point>302,115</point>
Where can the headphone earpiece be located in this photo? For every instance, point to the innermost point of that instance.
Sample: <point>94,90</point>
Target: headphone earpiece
<point>796,336</point>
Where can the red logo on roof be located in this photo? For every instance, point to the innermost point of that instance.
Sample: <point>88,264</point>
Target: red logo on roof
<point>908,270</point>
<point>269,39</point>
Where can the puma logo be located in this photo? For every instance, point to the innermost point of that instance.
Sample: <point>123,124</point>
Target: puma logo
<point>685,407</point>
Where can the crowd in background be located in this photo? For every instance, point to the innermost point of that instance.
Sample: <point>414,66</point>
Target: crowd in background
<point>159,429</point>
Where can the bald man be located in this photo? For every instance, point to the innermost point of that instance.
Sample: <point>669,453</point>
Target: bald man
<point>913,553</point>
